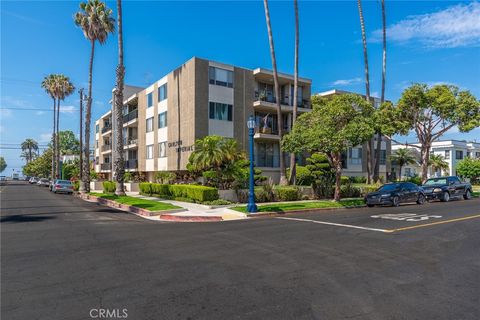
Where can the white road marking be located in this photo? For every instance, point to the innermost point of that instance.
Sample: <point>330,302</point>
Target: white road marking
<point>410,217</point>
<point>336,224</point>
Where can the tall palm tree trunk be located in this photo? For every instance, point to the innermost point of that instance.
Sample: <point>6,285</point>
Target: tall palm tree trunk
<point>283,178</point>
<point>88,116</point>
<point>367,86</point>
<point>376,170</point>
<point>293,159</point>
<point>57,155</point>
<point>119,161</point>
<point>54,138</point>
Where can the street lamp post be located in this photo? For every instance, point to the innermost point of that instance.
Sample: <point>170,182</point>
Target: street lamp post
<point>251,207</point>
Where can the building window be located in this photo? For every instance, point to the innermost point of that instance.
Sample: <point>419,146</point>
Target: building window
<point>150,151</point>
<point>106,160</point>
<point>162,120</point>
<point>162,92</point>
<point>355,155</point>
<point>150,124</point>
<point>477,155</point>
<point>150,100</point>
<point>220,111</point>
<point>458,154</point>
<point>383,157</point>
<point>162,149</point>
<point>469,154</point>
<point>267,155</point>
<point>96,143</point>
<point>220,77</point>
<point>97,160</point>
<point>447,154</point>
<point>97,128</point>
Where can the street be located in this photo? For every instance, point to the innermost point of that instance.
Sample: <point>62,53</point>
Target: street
<point>62,257</point>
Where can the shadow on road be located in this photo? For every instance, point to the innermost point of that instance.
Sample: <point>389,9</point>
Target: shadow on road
<point>24,218</point>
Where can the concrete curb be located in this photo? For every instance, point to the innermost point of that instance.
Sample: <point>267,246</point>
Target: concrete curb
<point>125,207</point>
<point>175,218</point>
<point>276,214</point>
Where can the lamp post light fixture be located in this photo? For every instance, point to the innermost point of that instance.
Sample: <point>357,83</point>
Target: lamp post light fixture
<point>251,207</point>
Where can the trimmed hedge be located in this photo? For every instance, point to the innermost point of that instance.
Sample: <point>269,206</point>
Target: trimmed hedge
<point>109,186</point>
<point>193,192</point>
<point>287,193</point>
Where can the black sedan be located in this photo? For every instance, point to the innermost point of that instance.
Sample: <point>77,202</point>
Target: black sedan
<point>395,193</point>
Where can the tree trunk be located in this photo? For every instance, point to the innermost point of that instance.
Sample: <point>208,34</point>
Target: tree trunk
<point>367,87</point>
<point>53,138</point>
<point>400,172</point>
<point>337,164</point>
<point>57,155</point>
<point>376,170</point>
<point>80,173</point>
<point>425,156</point>
<point>283,178</point>
<point>88,116</point>
<point>119,164</point>
<point>293,159</point>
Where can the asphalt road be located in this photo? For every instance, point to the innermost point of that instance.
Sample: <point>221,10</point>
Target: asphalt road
<point>62,257</point>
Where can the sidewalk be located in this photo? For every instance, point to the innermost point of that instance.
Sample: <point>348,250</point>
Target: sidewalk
<point>195,212</point>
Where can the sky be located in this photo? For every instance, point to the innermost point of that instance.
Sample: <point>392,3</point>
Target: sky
<point>428,41</point>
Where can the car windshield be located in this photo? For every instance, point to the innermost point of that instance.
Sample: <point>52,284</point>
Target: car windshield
<point>63,182</point>
<point>435,181</point>
<point>389,187</point>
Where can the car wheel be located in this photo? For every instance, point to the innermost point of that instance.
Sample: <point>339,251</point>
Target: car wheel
<point>467,195</point>
<point>395,201</point>
<point>370,205</point>
<point>421,199</point>
<point>445,196</point>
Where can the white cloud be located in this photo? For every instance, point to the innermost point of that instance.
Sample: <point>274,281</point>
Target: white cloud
<point>39,113</point>
<point>346,82</point>
<point>67,109</point>
<point>456,26</point>
<point>45,137</point>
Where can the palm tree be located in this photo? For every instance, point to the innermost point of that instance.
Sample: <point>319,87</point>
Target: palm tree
<point>96,22</point>
<point>211,152</point>
<point>30,149</point>
<point>64,88</point>
<point>437,162</point>
<point>293,160</point>
<point>402,157</point>
<point>283,178</point>
<point>48,84</point>
<point>119,164</point>
<point>367,86</point>
<point>376,169</point>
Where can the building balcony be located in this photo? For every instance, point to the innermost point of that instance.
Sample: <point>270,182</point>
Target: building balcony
<point>106,148</point>
<point>130,142</point>
<point>269,104</point>
<point>131,164</point>
<point>130,117</point>
<point>106,128</point>
<point>106,166</point>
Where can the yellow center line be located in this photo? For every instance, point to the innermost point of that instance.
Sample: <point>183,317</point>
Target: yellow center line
<point>433,223</point>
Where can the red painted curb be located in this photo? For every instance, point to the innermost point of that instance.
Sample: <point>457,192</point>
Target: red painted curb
<point>276,214</point>
<point>171,217</point>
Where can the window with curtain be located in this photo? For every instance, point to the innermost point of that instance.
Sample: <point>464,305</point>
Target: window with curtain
<point>162,92</point>
<point>355,155</point>
<point>150,151</point>
<point>162,149</point>
<point>220,111</point>
<point>149,124</point>
<point>220,77</point>
<point>162,120</point>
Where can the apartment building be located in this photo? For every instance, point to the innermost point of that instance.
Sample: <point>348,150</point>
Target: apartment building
<point>354,159</point>
<point>200,98</point>
<point>452,152</point>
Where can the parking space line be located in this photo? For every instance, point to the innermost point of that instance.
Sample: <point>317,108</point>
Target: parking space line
<point>434,223</point>
<point>337,224</point>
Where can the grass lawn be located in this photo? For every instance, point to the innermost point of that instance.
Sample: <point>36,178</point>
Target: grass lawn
<point>300,205</point>
<point>136,202</point>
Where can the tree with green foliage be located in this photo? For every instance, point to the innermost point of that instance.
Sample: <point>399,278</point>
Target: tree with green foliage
<point>96,21</point>
<point>41,166</point>
<point>67,143</point>
<point>333,125</point>
<point>469,168</point>
<point>430,112</point>
<point>3,164</point>
<point>30,149</point>
<point>49,83</point>
<point>437,162</point>
<point>402,157</point>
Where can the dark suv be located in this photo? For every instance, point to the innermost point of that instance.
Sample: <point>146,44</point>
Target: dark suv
<point>395,193</point>
<point>446,188</point>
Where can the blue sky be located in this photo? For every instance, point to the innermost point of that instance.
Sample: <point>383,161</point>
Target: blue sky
<point>431,42</point>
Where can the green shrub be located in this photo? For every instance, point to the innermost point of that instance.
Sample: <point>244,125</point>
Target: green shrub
<point>349,191</point>
<point>304,176</point>
<point>165,177</point>
<point>160,189</point>
<point>76,185</point>
<point>287,193</point>
<point>194,192</point>
<point>218,202</point>
<point>260,195</point>
<point>145,188</point>
<point>109,187</point>
<point>415,179</point>
<point>369,188</point>
<point>358,179</point>
<point>128,177</point>
<point>344,180</point>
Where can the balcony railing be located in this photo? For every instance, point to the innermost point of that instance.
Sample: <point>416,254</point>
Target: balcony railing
<point>130,140</point>
<point>106,128</point>
<point>106,166</point>
<point>131,164</point>
<point>106,147</point>
<point>130,116</point>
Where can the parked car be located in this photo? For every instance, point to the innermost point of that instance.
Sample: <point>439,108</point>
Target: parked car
<point>446,188</point>
<point>62,186</point>
<point>43,182</point>
<point>3,180</point>
<point>33,180</point>
<point>395,193</point>
<point>27,178</point>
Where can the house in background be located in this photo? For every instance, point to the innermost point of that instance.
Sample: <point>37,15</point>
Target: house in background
<point>452,151</point>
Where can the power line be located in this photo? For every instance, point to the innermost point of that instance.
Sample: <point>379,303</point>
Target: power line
<point>35,109</point>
